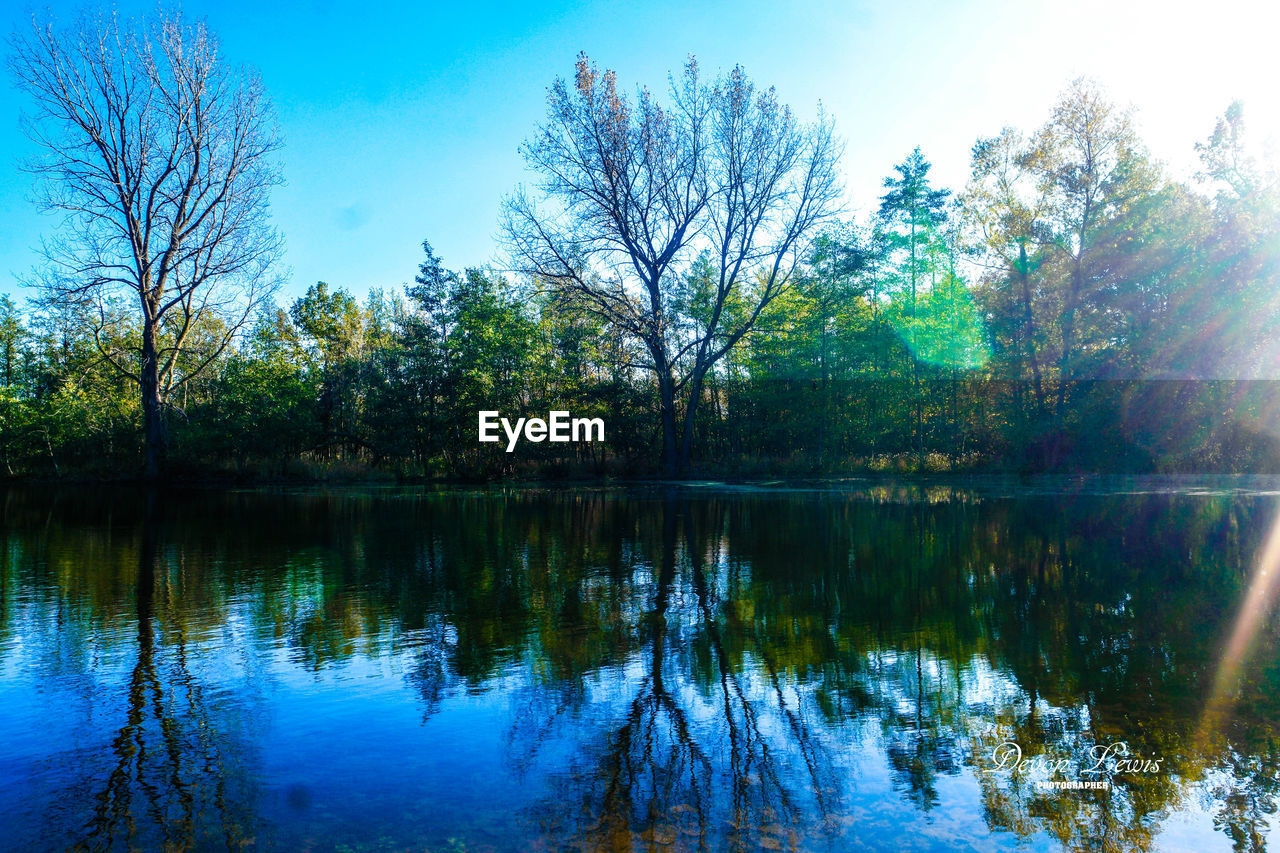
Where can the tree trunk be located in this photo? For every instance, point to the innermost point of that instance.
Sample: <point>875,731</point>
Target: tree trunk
<point>825,391</point>
<point>690,411</point>
<point>152,420</point>
<point>666,390</point>
<point>1029,332</point>
<point>918,427</point>
<point>1065,367</point>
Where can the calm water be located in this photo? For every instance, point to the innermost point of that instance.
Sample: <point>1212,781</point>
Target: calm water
<point>693,668</point>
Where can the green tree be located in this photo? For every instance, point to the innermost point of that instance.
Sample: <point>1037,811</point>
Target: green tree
<point>333,327</point>
<point>1091,169</point>
<point>911,212</point>
<point>1003,207</point>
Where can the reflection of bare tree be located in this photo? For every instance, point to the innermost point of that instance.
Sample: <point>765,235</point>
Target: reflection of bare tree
<point>173,785</point>
<point>714,768</point>
<point>681,671</point>
<point>760,796</point>
<point>647,779</point>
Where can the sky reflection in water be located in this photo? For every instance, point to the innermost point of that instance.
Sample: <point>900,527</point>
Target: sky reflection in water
<point>677,668</point>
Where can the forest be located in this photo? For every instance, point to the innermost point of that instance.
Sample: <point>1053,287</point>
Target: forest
<point>687,269</point>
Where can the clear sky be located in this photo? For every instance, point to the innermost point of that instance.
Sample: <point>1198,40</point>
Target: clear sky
<point>402,120</point>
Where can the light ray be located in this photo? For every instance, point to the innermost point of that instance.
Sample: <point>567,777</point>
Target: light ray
<point>1259,599</point>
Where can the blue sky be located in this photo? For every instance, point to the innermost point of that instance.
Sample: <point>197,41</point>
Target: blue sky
<point>402,120</point>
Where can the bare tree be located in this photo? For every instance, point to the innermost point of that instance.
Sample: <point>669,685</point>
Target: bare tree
<point>159,157</point>
<point>678,225</point>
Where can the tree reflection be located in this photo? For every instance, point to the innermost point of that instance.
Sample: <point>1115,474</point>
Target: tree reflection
<point>175,784</point>
<point>687,671</point>
<point>172,776</point>
<point>705,751</point>
<point>1246,798</point>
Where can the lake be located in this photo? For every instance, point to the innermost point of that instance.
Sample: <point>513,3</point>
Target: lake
<point>986,664</point>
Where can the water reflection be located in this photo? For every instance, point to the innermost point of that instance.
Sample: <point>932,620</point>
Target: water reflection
<point>631,669</point>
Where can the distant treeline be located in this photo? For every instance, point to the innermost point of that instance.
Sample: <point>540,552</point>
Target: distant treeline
<point>1072,308</point>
